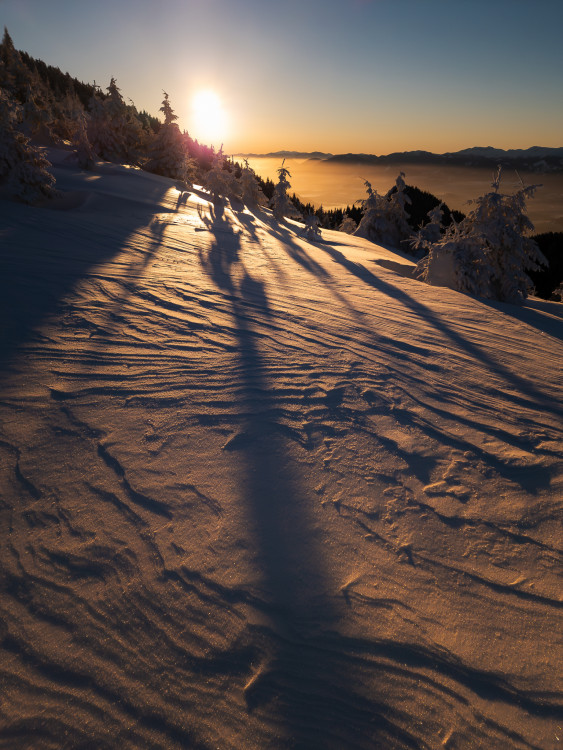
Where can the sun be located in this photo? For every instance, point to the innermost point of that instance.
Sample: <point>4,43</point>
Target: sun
<point>209,119</point>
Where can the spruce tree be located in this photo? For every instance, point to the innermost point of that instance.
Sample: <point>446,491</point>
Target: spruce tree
<point>430,233</point>
<point>398,217</point>
<point>23,168</point>
<point>385,218</point>
<point>218,180</point>
<point>280,203</point>
<point>15,76</point>
<point>250,192</point>
<point>37,119</point>
<point>85,154</point>
<point>69,115</point>
<point>348,225</point>
<point>312,229</point>
<point>168,154</point>
<point>490,250</point>
<point>373,224</point>
<point>114,130</point>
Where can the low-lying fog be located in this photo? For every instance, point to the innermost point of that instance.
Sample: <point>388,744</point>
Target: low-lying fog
<point>337,185</point>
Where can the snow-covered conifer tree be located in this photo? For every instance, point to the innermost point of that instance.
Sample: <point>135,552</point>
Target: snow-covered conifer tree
<point>6,78</point>
<point>105,132</point>
<point>280,203</point>
<point>169,115</point>
<point>168,155</point>
<point>216,179</point>
<point>312,229</point>
<point>385,218</point>
<point>250,192</point>
<point>9,115</point>
<point>489,252</point>
<point>220,181</point>
<point>434,226</point>
<point>23,168</point>
<point>456,260</point>
<point>113,129</point>
<point>348,225</point>
<point>69,114</point>
<point>399,228</point>
<point>15,75</point>
<point>429,233</point>
<point>37,119</point>
<point>85,153</point>
<point>373,225</point>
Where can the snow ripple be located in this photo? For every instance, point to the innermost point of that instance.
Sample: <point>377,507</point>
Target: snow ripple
<point>260,493</point>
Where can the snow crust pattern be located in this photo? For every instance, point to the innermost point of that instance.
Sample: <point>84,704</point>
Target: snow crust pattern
<point>259,492</point>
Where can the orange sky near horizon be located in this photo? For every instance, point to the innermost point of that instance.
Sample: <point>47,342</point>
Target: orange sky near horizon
<point>338,76</point>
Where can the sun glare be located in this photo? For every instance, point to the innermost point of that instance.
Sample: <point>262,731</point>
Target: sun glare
<point>209,120</point>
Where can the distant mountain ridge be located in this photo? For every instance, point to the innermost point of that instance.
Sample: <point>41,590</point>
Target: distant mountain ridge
<point>534,159</point>
<point>288,155</point>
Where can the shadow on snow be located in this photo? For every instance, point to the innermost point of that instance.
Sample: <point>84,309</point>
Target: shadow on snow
<point>307,677</point>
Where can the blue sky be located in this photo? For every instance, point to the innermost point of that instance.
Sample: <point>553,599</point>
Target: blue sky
<point>335,75</point>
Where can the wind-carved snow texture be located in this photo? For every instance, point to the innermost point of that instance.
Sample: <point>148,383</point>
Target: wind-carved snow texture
<point>259,492</point>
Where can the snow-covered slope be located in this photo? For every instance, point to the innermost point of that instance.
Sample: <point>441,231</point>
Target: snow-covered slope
<point>263,493</point>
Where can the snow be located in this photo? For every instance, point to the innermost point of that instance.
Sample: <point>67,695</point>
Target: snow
<point>261,492</point>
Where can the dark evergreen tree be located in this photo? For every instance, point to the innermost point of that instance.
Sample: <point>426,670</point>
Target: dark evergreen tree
<point>280,202</point>
<point>23,167</point>
<point>168,153</point>
<point>15,76</point>
<point>113,129</point>
<point>547,280</point>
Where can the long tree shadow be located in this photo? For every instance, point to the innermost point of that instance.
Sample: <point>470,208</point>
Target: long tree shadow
<point>546,317</point>
<point>305,683</point>
<point>528,480</point>
<point>297,252</point>
<point>533,397</point>
<point>45,253</point>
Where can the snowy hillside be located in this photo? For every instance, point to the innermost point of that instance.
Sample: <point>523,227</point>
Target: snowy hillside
<point>263,493</point>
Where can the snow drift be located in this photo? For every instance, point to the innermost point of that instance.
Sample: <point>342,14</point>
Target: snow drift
<point>262,492</point>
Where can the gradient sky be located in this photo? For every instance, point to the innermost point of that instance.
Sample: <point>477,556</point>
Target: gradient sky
<point>371,76</point>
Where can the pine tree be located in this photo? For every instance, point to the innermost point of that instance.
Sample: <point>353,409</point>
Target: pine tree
<point>312,229</point>
<point>250,192</point>
<point>69,115</point>
<point>9,116</point>
<point>6,78</point>
<point>114,130</point>
<point>103,133</point>
<point>429,233</point>
<point>169,116</point>
<point>280,203</point>
<point>15,76</point>
<point>373,225</point>
<point>398,217</point>
<point>385,219</point>
<point>489,251</point>
<point>348,225</point>
<point>221,181</point>
<point>168,154</point>
<point>23,168</point>
<point>215,180</point>
<point>86,155</point>
<point>37,119</point>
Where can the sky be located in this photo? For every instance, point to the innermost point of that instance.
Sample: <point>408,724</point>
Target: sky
<point>362,76</point>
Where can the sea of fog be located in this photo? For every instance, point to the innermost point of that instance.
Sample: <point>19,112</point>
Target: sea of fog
<point>338,185</point>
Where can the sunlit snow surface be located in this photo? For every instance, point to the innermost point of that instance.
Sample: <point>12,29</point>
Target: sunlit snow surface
<point>263,493</point>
